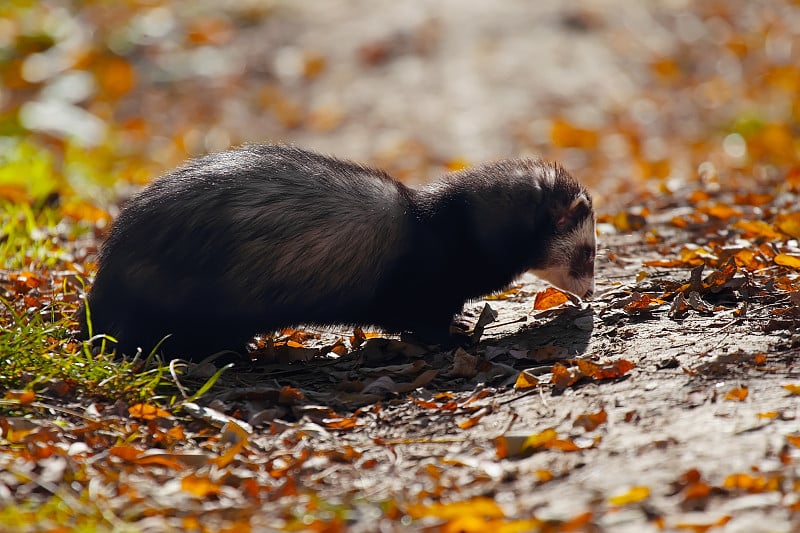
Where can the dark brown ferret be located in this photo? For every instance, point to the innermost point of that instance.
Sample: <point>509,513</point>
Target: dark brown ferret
<point>265,236</point>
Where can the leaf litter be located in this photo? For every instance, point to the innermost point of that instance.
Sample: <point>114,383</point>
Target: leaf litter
<point>684,363</point>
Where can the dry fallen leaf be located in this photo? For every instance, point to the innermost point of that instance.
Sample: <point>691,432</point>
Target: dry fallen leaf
<point>147,412</point>
<point>634,495</point>
<point>590,421</point>
<point>549,298</point>
<point>788,260</point>
<point>564,377</point>
<point>21,396</point>
<point>478,507</point>
<point>465,365</point>
<point>738,395</point>
<point>526,380</point>
<point>793,389</point>
<point>199,486</point>
<point>789,223</point>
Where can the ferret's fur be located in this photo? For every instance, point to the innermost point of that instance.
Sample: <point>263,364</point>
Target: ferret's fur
<point>262,237</point>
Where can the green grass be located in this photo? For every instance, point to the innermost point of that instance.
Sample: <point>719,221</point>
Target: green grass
<point>39,298</point>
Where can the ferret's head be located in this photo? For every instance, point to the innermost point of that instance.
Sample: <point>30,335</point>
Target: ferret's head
<point>524,214</point>
<point>569,253</point>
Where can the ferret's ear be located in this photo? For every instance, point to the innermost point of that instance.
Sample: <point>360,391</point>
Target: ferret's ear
<point>568,216</point>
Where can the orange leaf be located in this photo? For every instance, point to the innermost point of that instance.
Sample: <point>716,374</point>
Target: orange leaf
<point>234,433</point>
<point>791,261</point>
<point>540,440</point>
<point>789,223</point>
<point>641,300</point>
<point>564,445</point>
<point>22,396</point>
<point>722,211</point>
<point>622,366</point>
<point>702,528</point>
<point>199,486</point>
<point>470,422</point>
<point>595,371</point>
<point>590,421</point>
<point>753,484</point>
<point>128,453</point>
<point>794,440</point>
<point>147,412</point>
<point>758,228</point>
<point>340,423</point>
<point>720,277</point>
<point>477,507</point>
<point>587,368</point>
<point>526,380</point>
<point>751,198</point>
<point>549,298</point>
<point>793,178</point>
<point>166,460</point>
<point>793,389</point>
<point>737,395</point>
<point>290,396</point>
<point>564,377</point>
<point>697,491</point>
<point>564,134</point>
<point>116,76</point>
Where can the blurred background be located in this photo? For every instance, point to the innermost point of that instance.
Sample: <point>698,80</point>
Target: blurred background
<point>632,97</point>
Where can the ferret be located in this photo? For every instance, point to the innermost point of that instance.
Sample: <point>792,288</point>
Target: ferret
<point>262,237</point>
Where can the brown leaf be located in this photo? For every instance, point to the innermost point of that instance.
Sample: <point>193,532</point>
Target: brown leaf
<point>717,279</point>
<point>464,365</point>
<point>590,421</point>
<point>564,377</point>
<point>640,301</point>
<point>593,370</point>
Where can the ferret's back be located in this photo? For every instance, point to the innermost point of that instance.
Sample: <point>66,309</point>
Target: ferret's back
<point>265,220</point>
